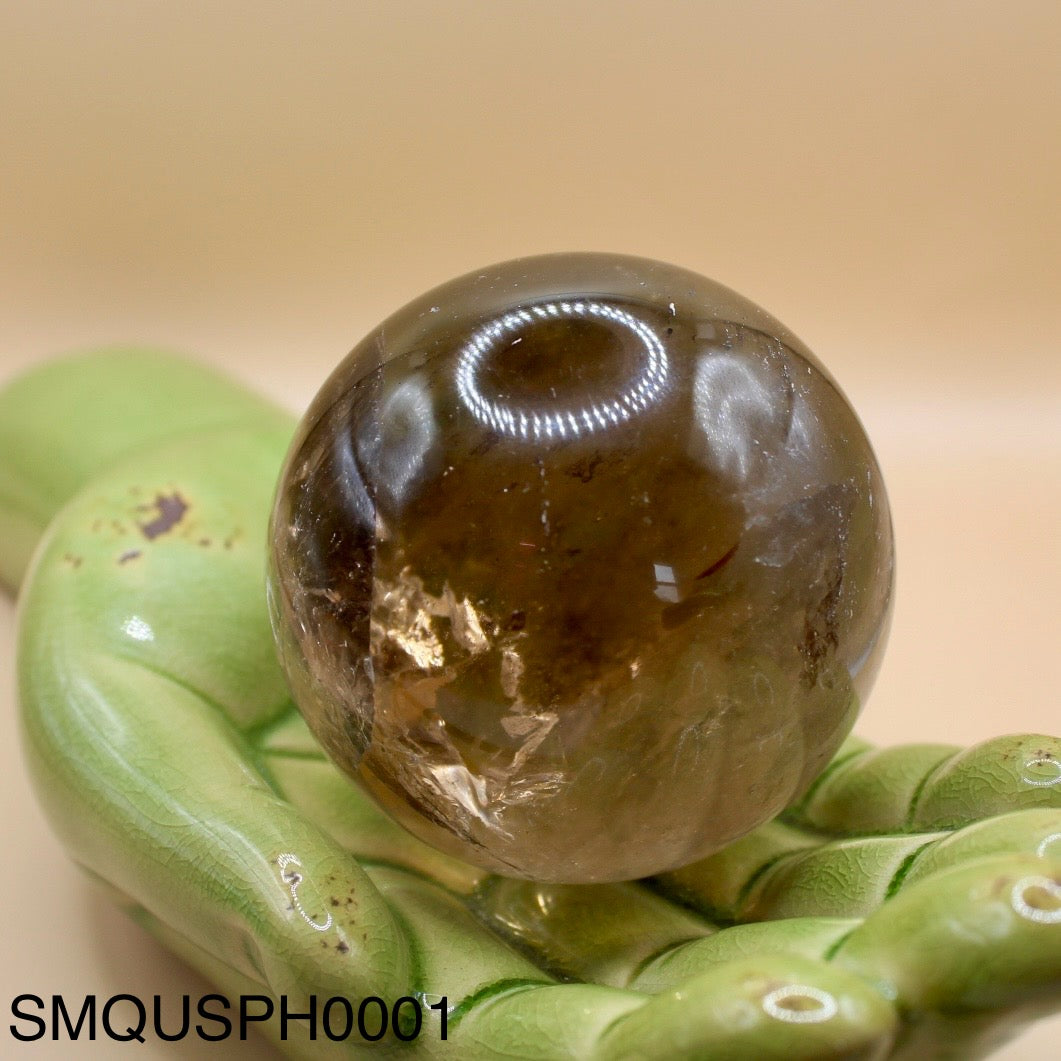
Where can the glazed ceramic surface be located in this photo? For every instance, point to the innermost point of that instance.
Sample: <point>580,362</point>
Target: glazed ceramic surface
<point>908,906</point>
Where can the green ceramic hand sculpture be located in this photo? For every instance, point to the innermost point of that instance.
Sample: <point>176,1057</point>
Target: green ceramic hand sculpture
<point>908,906</point>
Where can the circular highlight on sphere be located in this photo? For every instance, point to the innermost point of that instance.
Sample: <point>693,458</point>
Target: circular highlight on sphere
<point>563,422</point>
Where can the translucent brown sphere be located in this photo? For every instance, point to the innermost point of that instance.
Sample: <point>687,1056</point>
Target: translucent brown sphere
<point>581,566</point>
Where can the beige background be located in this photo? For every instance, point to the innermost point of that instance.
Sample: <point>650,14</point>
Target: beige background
<point>259,183</point>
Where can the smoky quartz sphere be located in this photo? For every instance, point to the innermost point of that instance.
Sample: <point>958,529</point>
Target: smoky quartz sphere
<point>582,566</point>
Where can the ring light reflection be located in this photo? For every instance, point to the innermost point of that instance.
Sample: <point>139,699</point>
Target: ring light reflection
<point>573,422</point>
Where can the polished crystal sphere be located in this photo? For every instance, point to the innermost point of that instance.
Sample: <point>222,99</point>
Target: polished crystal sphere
<point>582,566</point>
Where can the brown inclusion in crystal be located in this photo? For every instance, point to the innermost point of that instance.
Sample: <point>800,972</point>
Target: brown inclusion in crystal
<point>582,566</point>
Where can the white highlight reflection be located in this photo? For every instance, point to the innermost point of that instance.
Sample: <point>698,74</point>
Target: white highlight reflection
<point>407,424</point>
<point>527,422</point>
<point>1048,841</point>
<point>292,878</point>
<point>666,583</point>
<point>825,1009</point>
<point>1046,782</point>
<point>733,403</point>
<point>138,629</point>
<point>1037,913</point>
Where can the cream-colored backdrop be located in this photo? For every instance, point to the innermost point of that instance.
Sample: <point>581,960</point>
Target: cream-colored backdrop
<point>259,183</point>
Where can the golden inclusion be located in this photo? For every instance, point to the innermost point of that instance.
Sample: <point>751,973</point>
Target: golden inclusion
<point>581,566</point>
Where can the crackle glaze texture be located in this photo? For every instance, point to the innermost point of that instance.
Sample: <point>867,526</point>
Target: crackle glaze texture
<point>582,566</point>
